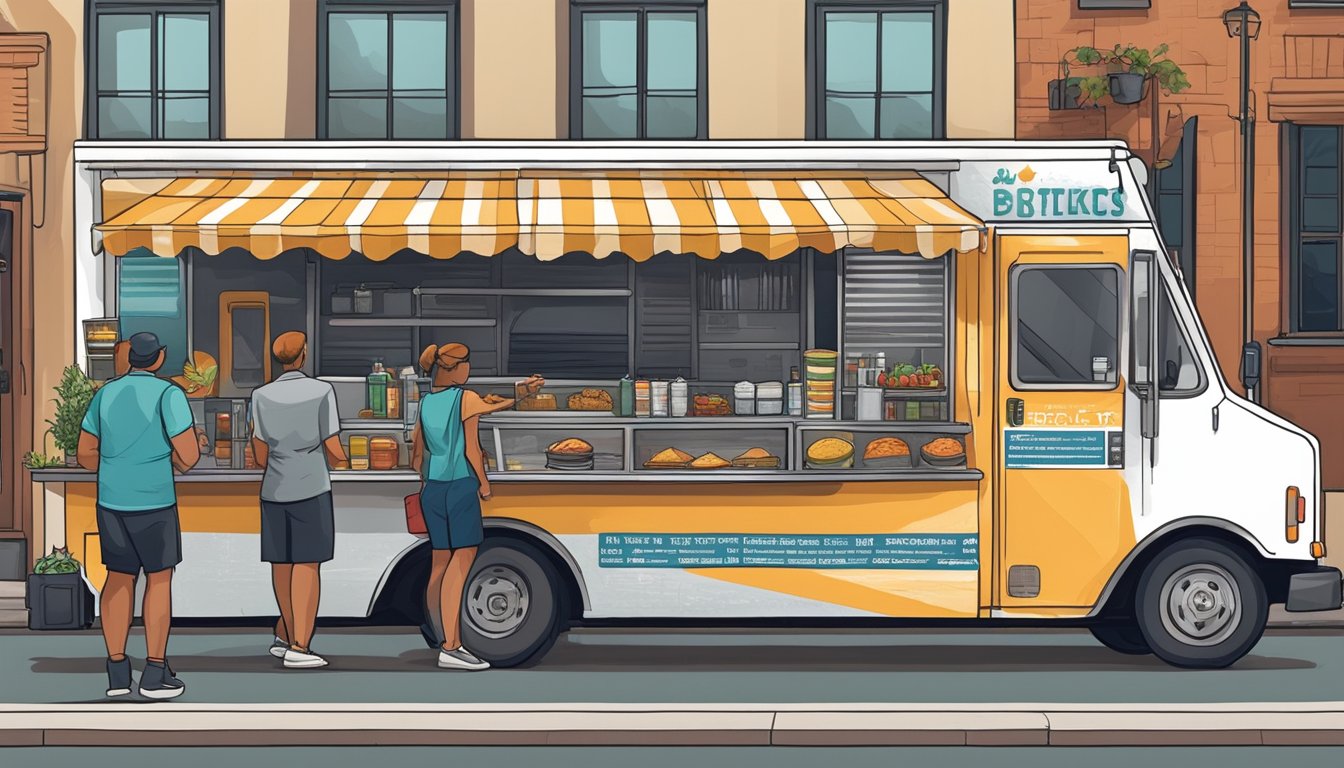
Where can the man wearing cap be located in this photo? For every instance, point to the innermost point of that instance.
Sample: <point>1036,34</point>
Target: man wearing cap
<point>295,431</point>
<point>137,430</point>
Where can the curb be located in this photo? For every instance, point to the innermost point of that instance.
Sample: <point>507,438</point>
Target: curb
<point>831,725</point>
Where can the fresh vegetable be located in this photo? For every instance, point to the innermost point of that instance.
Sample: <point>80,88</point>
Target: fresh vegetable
<point>35,460</point>
<point>59,561</point>
<point>882,379</point>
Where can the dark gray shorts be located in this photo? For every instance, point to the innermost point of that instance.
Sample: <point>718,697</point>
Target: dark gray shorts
<point>132,541</point>
<point>298,531</point>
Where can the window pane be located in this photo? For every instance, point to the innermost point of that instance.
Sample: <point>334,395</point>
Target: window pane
<point>670,117</point>
<point>185,117</point>
<point>1320,146</point>
<point>907,52</point>
<point>123,117</point>
<point>1320,181</point>
<point>1066,320</point>
<point>1179,371</point>
<point>851,52</point>
<point>907,117</point>
<point>1320,214</point>
<point>1318,286</point>
<point>419,118</point>
<point>419,51</point>
<point>1170,212</point>
<point>1169,179</point>
<point>150,299</point>
<point>123,52</point>
<point>357,51</point>
<point>609,41</point>
<point>609,117</point>
<point>672,54</point>
<point>850,118</point>
<point>357,118</point>
<point>184,58</point>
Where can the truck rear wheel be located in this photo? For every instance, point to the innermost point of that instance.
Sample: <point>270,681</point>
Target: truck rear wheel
<point>1121,638</point>
<point>511,611</point>
<point>1200,605</point>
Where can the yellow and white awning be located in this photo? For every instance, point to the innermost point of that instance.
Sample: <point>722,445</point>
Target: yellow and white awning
<point>546,215</point>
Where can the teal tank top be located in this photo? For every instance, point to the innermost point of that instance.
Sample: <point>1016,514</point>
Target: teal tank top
<point>445,438</point>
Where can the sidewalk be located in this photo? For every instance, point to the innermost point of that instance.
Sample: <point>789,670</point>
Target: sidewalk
<point>173,724</point>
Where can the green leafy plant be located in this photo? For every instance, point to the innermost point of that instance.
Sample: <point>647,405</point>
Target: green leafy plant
<point>59,561</point>
<point>1151,64</point>
<point>72,399</point>
<point>35,460</point>
<point>203,378</point>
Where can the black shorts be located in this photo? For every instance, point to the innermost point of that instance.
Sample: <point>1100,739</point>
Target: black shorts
<point>132,541</point>
<point>298,531</point>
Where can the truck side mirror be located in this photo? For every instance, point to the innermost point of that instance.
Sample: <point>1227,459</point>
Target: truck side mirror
<point>1250,365</point>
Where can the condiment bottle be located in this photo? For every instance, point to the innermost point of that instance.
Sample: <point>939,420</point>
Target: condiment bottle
<point>679,395</point>
<point>658,398</point>
<point>627,397</point>
<point>795,393</point>
<point>643,394</point>
<point>377,390</point>
<point>393,398</point>
<point>359,452</point>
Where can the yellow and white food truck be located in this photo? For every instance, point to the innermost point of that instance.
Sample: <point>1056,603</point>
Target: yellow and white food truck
<point>952,381</point>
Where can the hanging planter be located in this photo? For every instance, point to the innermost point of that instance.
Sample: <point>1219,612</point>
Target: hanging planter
<point>1065,93</point>
<point>1127,87</point>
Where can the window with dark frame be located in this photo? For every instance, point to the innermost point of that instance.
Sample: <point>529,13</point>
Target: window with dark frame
<point>1113,5</point>
<point>877,69</point>
<point>1066,323</point>
<point>1339,4</point>
<point>638,70</point>
<point>388,70</point>
<point>1316,221</point>
<point>152,69</point>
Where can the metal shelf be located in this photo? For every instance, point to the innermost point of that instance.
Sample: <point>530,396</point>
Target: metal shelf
<point>396,322</point>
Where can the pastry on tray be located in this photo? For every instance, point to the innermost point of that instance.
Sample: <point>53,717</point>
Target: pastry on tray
<point>570,446</point>
<point>545,402</point>
<point>710,461</point>
<point>670,458</point>
<point>756,458</point>
<point>886,447</point>
<point>944,452</point>
<point>590,400</point>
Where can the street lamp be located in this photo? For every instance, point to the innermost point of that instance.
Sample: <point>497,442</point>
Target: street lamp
<point>1244,23</point>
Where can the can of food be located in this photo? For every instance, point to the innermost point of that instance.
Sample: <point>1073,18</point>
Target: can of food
<point>359,452</point>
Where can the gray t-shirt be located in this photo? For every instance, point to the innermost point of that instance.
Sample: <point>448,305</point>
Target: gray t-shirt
<point>293,415</point>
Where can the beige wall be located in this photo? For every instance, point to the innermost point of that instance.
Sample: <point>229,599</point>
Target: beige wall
<point>516,84</point>
<point>270,69</point>
<point>980,71</point>
<point>757,68</point>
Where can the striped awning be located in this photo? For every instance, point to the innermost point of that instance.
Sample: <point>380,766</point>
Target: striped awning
<point>546,215</point>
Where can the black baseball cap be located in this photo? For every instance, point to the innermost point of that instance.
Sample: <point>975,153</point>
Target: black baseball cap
<point>145,349</point>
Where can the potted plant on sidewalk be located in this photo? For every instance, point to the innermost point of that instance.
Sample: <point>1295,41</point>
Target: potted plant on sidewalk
<point>1131,67</point>
<point>56,595</point>
<point>72,399</point>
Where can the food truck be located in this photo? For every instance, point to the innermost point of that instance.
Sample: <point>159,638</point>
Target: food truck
<point>944,381</point>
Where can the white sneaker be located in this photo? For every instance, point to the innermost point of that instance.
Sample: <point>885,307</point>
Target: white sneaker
<point>461,659</point>
<point>278,648</point>
<point>303,660</point>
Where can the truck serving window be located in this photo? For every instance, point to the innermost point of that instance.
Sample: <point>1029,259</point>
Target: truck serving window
<point>1179,373</point>
<point>1065,326</point>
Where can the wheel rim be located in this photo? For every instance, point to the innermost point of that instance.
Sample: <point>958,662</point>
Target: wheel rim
<point>497,601</point>
<point>1200,605</point>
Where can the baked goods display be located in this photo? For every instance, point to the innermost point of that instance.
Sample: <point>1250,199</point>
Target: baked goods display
<point>819,383</point>
<point>669,458</point>
<point>590,400</point>
<point>540,402</point>
<point>756,458</point>
<point>944,452</point>
<point>570,454</point>
<point>710,461</point>
<point>710,405</point>
<point>830,453</point>
<point>887,453</point>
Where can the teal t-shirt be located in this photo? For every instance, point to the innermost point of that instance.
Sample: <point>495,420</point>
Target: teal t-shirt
<point>445,438</point>
<point>135,418</point>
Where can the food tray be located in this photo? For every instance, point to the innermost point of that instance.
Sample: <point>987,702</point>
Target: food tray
<point>943,462</point>
<point>889,462</point>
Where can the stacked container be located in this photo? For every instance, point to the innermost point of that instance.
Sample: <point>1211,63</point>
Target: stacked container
<point>819,383</point>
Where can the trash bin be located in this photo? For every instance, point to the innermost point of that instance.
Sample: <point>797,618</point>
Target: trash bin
<point>58,601</point>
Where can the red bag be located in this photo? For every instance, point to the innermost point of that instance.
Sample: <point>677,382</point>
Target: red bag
<point>415,518</point>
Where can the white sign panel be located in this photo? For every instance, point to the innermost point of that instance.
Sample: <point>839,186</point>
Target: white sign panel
<point>1048,191</point>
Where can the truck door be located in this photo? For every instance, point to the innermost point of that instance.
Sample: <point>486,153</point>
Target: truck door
<point>1065,461</point>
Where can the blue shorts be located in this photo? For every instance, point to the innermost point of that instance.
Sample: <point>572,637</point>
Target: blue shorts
<point>452,513</point>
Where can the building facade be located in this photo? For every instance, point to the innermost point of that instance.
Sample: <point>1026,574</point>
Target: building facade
<point>437,70</point>
<point>1297,93</point>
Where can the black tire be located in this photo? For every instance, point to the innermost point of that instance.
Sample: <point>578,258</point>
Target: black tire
<point>1121,638</point>
<point>512,605</point>
<point>1200,605</point>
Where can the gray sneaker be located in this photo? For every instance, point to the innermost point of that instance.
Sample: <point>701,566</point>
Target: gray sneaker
<point>118,677</point>
<point>461,658</point>
<point>158,682</point>
<point>278,648</point>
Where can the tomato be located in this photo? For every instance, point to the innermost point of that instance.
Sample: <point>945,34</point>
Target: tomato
<point>905,380</point>
<point>882,379</point>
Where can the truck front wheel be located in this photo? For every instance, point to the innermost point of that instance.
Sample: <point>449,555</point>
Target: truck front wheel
<point>1201,605</point>
<point>511,609</point>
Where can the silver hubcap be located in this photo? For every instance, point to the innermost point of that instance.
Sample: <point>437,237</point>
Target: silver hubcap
<point>497,601</point>
<point>1200,605</point>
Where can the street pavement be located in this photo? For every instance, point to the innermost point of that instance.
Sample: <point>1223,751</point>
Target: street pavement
<point>632,666</point>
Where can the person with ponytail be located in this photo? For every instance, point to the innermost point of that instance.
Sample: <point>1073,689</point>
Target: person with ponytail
<point>447,453</point>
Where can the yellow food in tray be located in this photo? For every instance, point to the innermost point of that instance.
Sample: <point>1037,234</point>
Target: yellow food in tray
<point>830,449</point>
<point>885,447</point>
<point>710,461</point>
<point>570,445</point>
<point>756,458</point>
<point>945,448</point>
<point>670,458</point>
